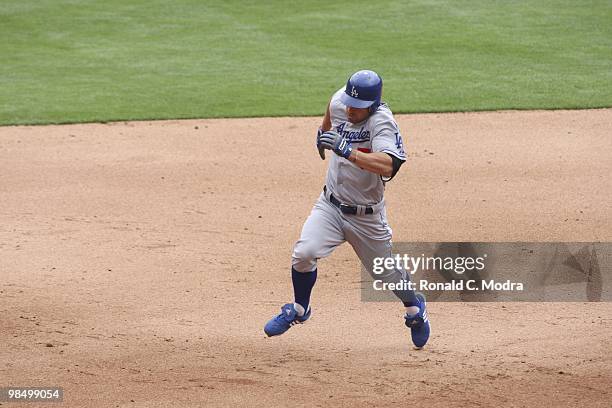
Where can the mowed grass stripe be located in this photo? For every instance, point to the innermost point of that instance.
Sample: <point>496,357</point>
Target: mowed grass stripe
<point>80,61</point>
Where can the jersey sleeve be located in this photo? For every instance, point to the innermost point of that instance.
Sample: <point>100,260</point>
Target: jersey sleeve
<point>388,139</point>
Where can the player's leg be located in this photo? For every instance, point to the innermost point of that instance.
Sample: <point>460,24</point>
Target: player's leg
<point>372,240</point>
<point>368,249</point>
<point>321,234</point>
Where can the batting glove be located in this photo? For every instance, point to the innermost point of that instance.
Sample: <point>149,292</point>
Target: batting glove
<point>331,140</point>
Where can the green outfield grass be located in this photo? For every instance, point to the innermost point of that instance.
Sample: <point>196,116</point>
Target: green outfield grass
<point>75,61</point>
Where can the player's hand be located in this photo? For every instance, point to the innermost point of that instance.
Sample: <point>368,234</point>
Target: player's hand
<point>331,140</point>
<point>319,147</point>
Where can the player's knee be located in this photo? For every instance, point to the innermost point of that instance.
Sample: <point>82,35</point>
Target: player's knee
<point>304,258</point>
<point>305,251</point>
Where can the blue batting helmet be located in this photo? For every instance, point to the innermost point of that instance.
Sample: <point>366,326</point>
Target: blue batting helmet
<point>363,90</point>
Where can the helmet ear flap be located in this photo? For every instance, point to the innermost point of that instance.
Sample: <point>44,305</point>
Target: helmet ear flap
<point>374,107</point>
<point>378,99</point>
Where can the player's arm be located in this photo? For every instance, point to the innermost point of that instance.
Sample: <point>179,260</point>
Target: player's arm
<point>377,162</point>
<point>387,158</point>
<point>327,123</point>
<point>388,141</point>
<point>325,126</point>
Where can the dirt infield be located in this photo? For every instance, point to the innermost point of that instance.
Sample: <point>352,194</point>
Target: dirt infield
<point>139,262</point>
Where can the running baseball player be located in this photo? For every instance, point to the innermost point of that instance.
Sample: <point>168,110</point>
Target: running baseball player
<point>368,151</point>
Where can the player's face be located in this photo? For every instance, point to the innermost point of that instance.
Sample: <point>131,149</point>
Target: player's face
<point>356,115</point>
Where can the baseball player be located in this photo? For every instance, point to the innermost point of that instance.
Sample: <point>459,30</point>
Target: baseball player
<point>368,151</point>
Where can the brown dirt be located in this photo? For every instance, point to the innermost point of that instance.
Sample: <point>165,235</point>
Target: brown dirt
<point>149,256</point>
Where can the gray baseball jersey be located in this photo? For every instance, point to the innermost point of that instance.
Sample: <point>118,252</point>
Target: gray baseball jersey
<point>378,133</point>
<point>327,227</point>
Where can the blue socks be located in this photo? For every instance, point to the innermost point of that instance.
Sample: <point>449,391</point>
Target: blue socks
<point>303,283</point>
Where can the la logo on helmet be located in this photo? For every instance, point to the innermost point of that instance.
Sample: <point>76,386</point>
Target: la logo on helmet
<point>354,93</point>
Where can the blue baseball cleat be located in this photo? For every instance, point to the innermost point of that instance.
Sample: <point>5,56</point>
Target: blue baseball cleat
<point>286,318</point>
<point>419,324</point>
